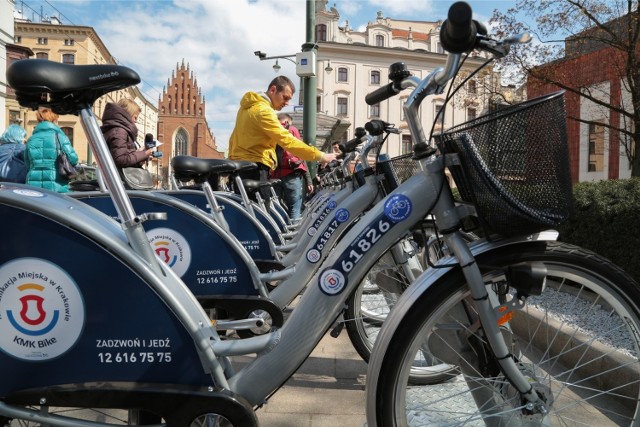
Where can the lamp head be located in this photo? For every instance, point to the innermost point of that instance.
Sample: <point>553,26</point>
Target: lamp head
<point>276,66</point>
<point>328,68</point>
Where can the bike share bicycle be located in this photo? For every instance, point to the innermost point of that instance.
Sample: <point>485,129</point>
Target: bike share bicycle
<point>499,316</point>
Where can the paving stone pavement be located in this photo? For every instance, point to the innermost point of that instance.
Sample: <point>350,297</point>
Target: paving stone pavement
<point>327,390</point>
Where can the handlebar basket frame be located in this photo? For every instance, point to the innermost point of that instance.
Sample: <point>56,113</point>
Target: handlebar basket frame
<point>397,170</point>
<point>514,165</point>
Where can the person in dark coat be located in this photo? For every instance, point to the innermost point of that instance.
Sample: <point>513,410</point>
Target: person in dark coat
<point>42,150</point>
<point>121,133</point>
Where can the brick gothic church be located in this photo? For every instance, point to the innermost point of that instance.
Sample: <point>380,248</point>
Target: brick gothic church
<point>182,125</point>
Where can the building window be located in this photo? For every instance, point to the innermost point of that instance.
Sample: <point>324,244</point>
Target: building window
<point>69,132</point>
<point>181,145</point>
<point>68,58</point>
<point>379,40</point>
<point>321,33</point>
<point>374,110</point>
<point>69,42</point>
<point>343,74</point>
<point>319,104</point>
<point>43,40</point>
<point>343,104</point>
<point>439,48</point>
<point>407,147</point>
<point>375,77</point>
<point>14,117</point>
<point>438,113</point>
<point>596,147</point>
<point>17,39</point>
<point>471,87</point>
<point>471,113</point>
<point>42,55</point>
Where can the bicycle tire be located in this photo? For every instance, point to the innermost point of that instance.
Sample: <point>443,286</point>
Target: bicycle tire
<point>600,389</point>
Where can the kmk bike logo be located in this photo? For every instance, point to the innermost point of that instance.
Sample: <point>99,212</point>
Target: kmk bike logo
<point>172,248</point>
<point>32,313</point>
<point>41,310</point>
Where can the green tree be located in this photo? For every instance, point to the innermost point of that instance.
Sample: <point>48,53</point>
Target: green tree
<point>566,29</point>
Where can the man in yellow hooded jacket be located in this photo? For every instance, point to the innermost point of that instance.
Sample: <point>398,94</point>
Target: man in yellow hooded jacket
<point>258,131</point>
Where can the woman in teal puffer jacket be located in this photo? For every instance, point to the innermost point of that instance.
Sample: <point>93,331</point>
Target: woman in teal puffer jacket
<point>41,153</point>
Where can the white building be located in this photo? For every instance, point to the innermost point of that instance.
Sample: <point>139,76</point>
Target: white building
<point>6,37</point>
<point>352,64</point>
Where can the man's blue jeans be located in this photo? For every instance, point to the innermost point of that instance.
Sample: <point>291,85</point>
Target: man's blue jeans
<point>292,195</point>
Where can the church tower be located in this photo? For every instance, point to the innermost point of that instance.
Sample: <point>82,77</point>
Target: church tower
<point>182,125</point>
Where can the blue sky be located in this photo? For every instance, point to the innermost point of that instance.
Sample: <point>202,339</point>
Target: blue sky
<point>218,37</point>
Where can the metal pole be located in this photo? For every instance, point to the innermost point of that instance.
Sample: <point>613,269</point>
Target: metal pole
<point>309,110</point>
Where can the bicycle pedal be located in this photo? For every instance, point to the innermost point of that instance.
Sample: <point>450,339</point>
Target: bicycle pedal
<point>335,332</point>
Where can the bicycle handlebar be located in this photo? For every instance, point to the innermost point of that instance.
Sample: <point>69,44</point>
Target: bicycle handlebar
<point>349,146</point>
<point>381,94</point>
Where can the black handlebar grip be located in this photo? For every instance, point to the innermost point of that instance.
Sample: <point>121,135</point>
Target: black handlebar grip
<point>349,146</point>
<point>458,32</point>
<point>376,127</point>
<point>380,94</point>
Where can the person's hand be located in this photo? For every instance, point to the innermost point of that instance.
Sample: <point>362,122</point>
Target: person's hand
<point>149,152</point>
<point>310,188</point>
<point>327,157</point>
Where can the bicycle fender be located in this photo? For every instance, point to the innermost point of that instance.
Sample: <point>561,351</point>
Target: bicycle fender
<point>415,291</point>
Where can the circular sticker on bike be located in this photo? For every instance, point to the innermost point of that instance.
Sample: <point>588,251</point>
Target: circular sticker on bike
<point>313,256</point>
<point>311,231</point>
<point>332,282</point>
<point>342,215</point>
<point>42,312</point>
<point>397,208</point>
<point>332,204</point>
<point>28,193</point>
<point>172,248</point>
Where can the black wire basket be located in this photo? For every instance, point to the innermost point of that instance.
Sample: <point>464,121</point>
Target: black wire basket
<point>397,170</point>
<point>514,166</point>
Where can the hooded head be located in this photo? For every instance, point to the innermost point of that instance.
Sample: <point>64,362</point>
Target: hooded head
<point>15,134</point>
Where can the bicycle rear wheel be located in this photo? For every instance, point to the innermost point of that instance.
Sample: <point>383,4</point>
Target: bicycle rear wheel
<point>586,371</point>
<point>370,305</point>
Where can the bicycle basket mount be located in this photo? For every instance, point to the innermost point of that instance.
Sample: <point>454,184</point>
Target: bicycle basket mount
<point>397,170</point>
<point>514,165</point>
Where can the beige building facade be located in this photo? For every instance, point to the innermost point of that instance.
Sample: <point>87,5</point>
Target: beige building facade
<point>79,45</point>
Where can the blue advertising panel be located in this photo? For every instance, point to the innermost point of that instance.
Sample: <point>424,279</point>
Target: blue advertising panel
<point>245,230</point>
<point>73,312</point>
<point>204,260</point>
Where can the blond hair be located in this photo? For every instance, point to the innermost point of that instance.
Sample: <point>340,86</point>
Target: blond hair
<point>129,106</point>
<point>46,114</point>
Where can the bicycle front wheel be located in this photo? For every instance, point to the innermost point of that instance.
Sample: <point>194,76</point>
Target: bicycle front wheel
<point>577,344</point>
